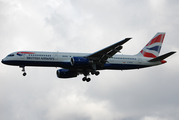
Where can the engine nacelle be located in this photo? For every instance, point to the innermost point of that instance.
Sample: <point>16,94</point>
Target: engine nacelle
<point>65,73</point>
<point>81,61</point>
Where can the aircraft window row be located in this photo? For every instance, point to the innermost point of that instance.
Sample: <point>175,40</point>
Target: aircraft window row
<point>124,58</point>
<point>64,56</point>
<point>11,55</point>
<point>39,55</point>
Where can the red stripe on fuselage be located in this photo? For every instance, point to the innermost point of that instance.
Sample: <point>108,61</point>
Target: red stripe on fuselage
<point>25,53</point>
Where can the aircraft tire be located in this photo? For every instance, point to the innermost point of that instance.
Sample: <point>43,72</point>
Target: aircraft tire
<point>84,79</point>
<point>97,73</point>
<point>24,74</point>
<point>88,80</point>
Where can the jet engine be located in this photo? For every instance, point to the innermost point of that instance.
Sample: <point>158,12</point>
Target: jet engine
<point>81,61</point>
<point>66,73</point>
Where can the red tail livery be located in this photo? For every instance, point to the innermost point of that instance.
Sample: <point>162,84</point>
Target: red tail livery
<point>152,49</point>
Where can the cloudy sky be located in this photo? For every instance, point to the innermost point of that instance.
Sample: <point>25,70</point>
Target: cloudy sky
<point>88,26</point>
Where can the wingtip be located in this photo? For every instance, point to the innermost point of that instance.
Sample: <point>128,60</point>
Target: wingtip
<point>173,52</point>
<point>128,38</point>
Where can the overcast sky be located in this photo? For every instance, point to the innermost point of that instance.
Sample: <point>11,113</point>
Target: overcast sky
<point>88,26</point>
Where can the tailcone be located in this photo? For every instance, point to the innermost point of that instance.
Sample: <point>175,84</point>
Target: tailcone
<point>163,61</point>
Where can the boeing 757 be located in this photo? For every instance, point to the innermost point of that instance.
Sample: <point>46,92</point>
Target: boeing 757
<point>73,64</point>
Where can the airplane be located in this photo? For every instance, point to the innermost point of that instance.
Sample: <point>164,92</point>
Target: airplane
<point>73,64</point>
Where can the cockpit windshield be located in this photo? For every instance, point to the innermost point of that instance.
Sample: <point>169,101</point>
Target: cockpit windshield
<point>10,55</point>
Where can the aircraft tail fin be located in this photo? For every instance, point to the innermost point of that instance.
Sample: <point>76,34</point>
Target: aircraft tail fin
<point>152,49</point>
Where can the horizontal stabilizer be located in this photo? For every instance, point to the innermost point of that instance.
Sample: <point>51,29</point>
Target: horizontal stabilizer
<point>162,57</point>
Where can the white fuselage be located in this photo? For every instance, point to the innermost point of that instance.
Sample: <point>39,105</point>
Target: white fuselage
<point>62,59</point>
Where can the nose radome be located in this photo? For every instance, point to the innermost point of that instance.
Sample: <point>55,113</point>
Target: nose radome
<point>2,61</point>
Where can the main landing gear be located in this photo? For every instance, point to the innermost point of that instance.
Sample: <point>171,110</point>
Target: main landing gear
<point>23,70</point>
<point>95,72</point>
<point>86,79</point>
<point>92,73</point>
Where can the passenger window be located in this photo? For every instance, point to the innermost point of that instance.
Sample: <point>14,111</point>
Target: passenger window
<point>11,55</point>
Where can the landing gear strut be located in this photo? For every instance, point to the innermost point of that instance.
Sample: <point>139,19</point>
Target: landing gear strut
<point>23,70</point>
<point>86,73</point>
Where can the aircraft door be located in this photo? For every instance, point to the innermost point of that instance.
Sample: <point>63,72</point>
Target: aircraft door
<point>56,56</point>
<point>140,60</point>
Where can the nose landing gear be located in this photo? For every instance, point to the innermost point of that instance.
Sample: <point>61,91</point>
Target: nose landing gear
<point>23,70</point>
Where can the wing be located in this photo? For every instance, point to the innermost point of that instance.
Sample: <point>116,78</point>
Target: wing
<point>100,57</point>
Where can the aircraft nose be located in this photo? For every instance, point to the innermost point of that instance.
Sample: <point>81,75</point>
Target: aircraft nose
<point>2,61</point>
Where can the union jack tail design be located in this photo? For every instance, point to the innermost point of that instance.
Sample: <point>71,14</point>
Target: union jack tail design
<point>152,49</point>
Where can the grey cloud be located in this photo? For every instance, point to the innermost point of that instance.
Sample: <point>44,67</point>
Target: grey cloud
<point>87,26</point>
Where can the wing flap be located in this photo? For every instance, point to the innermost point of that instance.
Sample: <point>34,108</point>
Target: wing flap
<point>101,56</point>
<point>115,46</point>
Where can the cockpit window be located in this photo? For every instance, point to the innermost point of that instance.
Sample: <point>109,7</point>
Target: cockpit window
<point>11,55</point>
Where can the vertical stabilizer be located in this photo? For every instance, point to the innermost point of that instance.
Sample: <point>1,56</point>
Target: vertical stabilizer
<point>152,49</point>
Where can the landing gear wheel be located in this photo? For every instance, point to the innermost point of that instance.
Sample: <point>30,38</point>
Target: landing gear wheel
<point>92,73</point>
<point>24,74</point>
<point>88,80</point>
<point>84,79</point>
<point>97,73</point>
